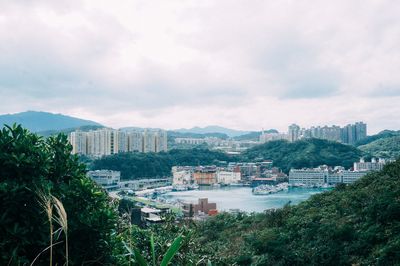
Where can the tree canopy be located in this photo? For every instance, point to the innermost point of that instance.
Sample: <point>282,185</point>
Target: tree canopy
<point>30,164</point>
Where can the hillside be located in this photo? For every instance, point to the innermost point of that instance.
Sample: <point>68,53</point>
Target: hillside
<point>140,165</point>
<point>254,135</point>
<point>43,121</point>
<point>388,147</point>
<point>381,135</point>
<point>357,224</point>
<point>304,153</point>
<point>213,129</point>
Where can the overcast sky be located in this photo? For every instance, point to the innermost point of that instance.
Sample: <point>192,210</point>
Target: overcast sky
<point>171,64</point>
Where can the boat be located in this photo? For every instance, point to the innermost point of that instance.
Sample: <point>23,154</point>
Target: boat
<point>269,189</point>
<point>179,188</point>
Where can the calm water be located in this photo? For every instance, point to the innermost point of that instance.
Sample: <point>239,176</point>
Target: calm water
<point>242,198</point>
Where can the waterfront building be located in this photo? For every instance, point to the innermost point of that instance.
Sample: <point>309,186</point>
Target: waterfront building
<point>228,177</point>
<point>325,175</point>
<point>205,175</point>
<point>182,175</point>
<point>108,179</point>
<point>145,183</point>
<point>310,177</point>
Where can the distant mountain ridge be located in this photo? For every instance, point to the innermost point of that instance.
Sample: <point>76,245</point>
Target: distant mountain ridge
<point>44,121</point>
<point>213,129</point>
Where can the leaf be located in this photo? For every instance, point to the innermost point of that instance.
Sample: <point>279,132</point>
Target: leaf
<point>173,249</point>
<point>153,254</point>
<point>209,263</point>
<point>138,257</point>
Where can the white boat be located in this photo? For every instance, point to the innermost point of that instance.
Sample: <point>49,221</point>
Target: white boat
<point>269,189</point>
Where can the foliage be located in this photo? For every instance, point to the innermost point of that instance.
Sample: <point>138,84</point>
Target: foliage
<point>304,153</point>
<point>357,224</point>
<point>142,165</point>
<point>383,148</point>
<point>381,135</point>
<point>30,163</point>
<point>254,135</point>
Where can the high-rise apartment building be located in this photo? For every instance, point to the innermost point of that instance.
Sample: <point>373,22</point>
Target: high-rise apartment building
<point>294,132</point>
<point>110,141</point>
<point>78,141</point>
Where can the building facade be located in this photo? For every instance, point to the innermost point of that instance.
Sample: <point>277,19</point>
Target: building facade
<point>107,141</point>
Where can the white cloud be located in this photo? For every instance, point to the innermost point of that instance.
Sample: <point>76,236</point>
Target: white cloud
<point>183,63</point>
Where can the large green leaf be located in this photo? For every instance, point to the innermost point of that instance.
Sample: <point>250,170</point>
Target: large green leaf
<point>173,249</point>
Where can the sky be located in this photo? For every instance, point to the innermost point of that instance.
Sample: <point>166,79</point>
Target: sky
<point>177,64</point>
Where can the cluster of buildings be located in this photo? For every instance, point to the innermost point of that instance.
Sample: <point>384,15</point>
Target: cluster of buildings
<point>226,145</point>
<point>325,175</point>
<point>348,134</point>
<point>247,173</point>
<point>108,141</point>
<point>204,175</point>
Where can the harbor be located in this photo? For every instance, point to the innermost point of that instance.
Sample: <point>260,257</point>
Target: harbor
<point>234,198</point>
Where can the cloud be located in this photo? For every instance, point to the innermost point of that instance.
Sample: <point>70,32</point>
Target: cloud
<point>197,63</point>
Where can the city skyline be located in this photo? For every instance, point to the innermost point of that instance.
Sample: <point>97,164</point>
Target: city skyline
<point>183,64</point>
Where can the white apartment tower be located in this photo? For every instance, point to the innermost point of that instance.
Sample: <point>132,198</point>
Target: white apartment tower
<point>78,141</point>
<point>110,141</point>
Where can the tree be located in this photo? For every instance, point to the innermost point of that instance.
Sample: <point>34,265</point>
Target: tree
<point>28,164</point>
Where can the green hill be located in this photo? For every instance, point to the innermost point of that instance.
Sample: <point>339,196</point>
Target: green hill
<point>145,165</point>
<point>381,135</point>
<point>357,224</point>
<point>388,147</point>
<point>304,153</point>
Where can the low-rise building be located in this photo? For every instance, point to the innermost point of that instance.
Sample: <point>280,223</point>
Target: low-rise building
<point>315,176</point>
<point>182,175</point>
<point>373,165</point>
<point>205,175</point>
<point>202,207</point>
<point>228,177</point>
<point>108,179</point>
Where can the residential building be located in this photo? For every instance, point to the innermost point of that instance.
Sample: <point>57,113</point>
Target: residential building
<point>78,141</point>
<point>373,165</point>
<point>293,132</point>
<point>107,141</point>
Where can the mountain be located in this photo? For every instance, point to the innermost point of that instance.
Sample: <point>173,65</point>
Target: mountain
<point>43,121</point>
<point>304,153</point>
<point>388,147</point>
<point>213,129</point>
<point>254,135</point>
